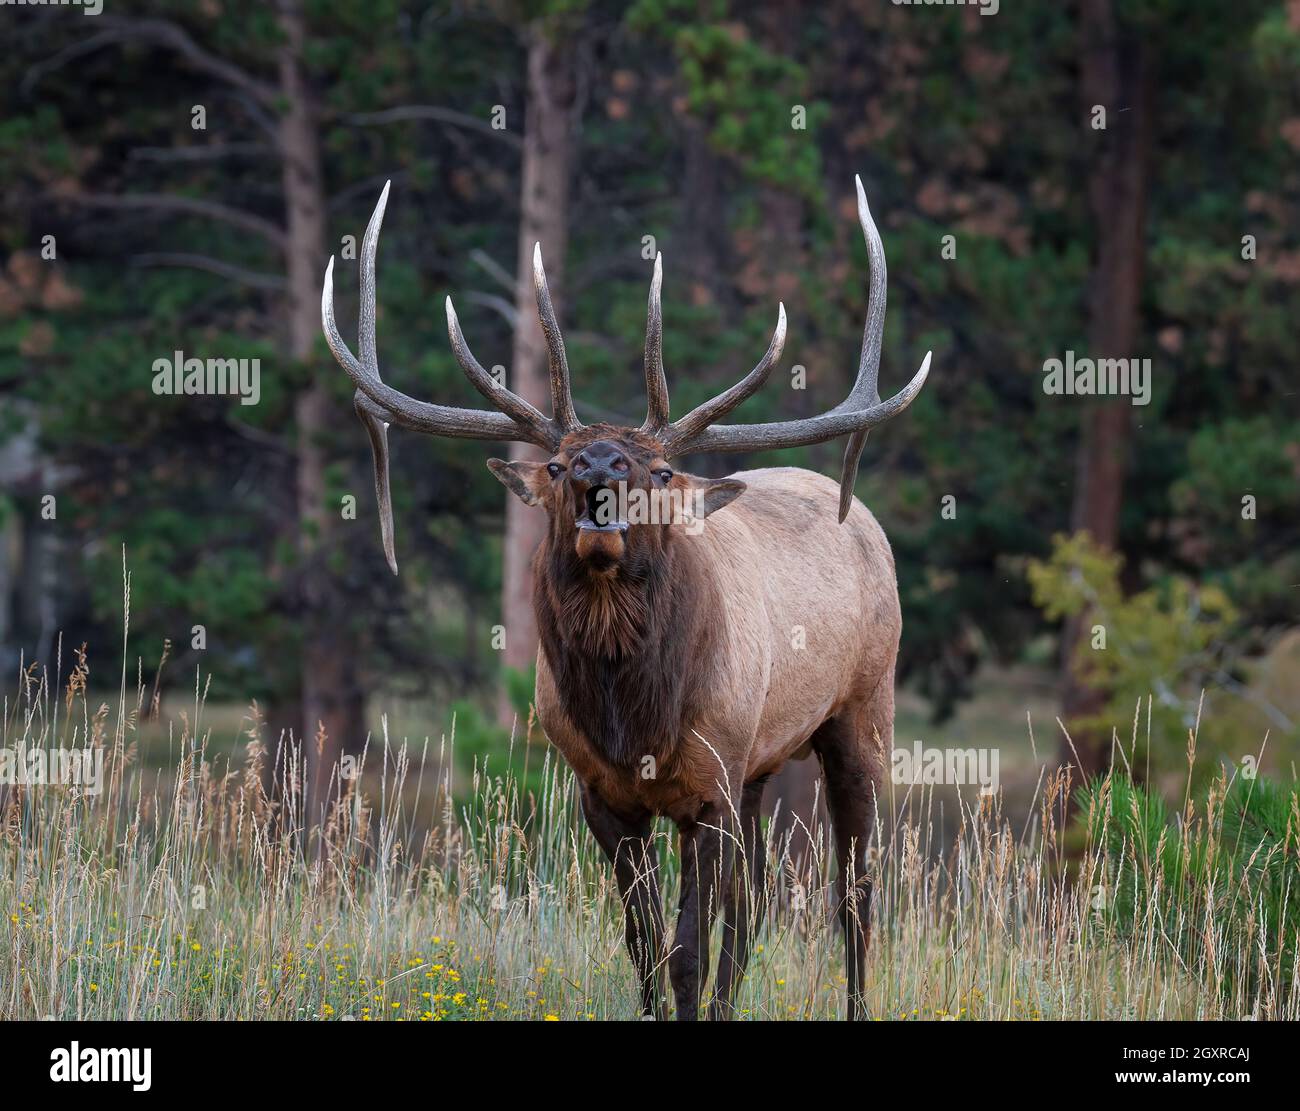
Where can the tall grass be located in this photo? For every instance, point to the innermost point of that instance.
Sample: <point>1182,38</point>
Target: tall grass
<point>201,890</point>
<point>1215,891</point>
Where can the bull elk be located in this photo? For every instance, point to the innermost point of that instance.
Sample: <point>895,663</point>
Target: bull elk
<point>674,645</point>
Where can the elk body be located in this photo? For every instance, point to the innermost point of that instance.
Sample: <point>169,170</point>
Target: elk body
<point>687,654</point>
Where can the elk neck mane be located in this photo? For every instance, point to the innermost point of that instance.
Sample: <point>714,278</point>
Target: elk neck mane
<point>630,653</point>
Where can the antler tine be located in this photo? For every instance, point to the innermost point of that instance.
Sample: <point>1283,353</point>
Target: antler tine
<point>419,416</point>
<point>861,411</point>
<point>684,431</point>
<point>866,389</point>
<point>562,411</point>
<point>367,311</point>
<point>378,405</point>
<point>808,430</point>
<point>505,399</point>
<point>656,382</point>
<point>372,419</point>
<point>397,407</point>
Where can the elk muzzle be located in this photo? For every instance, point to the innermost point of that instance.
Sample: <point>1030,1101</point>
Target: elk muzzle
<point>599,476</point>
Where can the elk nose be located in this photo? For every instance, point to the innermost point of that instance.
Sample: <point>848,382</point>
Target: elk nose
<point>601,461</point>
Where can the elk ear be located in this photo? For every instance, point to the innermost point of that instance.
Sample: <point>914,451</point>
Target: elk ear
<point>523,478</point>
<point>708,495</point>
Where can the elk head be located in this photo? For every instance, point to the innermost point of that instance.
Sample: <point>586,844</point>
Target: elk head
<point>608,490</point>
<point>594,471</point>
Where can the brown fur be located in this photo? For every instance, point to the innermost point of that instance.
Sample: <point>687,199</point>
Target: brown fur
<point>677,678</point>
<point>723,606</point>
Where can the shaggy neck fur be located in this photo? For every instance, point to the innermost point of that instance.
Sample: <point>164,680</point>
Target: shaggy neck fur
<point>628,650</point>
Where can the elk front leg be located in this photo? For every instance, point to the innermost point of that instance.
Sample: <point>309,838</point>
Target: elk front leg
<point>627,843</point>
<point>744,899</point>
<point>688,964</point>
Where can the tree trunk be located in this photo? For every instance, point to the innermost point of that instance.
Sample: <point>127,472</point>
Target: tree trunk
<point>700,244</point>
<point>1116,74</point>
<point>332,715</point>
<point>776,270</point>
<point>544,201</point>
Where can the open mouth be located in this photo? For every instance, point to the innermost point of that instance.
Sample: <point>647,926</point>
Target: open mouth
<point>599,512</point>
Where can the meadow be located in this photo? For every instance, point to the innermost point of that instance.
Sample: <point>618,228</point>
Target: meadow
<point>198,889</point>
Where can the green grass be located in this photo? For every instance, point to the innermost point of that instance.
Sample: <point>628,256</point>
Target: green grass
<point>1217,891</point>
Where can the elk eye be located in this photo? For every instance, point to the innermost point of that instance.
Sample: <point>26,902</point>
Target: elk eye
<point>664,474</point>
<point>554,469</point>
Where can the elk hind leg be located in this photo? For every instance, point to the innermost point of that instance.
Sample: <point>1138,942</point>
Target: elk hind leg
<point>853,762</point>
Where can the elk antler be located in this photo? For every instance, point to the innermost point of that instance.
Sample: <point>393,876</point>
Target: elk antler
<point>861,411</point>
<point>656,382</point>
<point>379,405</point>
